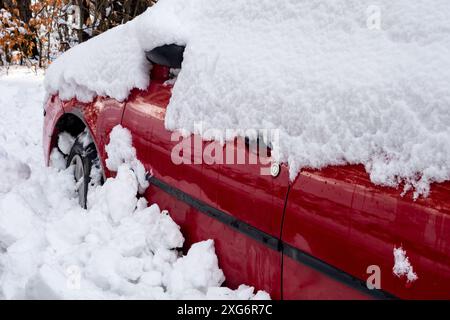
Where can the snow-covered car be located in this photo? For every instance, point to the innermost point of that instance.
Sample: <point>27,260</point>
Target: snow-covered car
<point>355,203</point>
<point>321,236</point>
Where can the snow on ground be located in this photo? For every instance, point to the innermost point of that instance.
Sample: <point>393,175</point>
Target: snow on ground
<point>345,81</point>
<point>120,247</point>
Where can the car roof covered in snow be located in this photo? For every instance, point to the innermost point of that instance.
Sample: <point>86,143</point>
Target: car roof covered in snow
<point>344,82</point>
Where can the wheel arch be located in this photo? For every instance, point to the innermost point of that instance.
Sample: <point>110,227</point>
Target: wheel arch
<point>74,123</point>
<point>70,123</point>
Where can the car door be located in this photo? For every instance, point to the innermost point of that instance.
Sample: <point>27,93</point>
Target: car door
<point>144,116</point>
<point>316,238</point>
<point>382,219</point>
<point>252,201</point>
<point>340,230</point>
<point>204,199</point>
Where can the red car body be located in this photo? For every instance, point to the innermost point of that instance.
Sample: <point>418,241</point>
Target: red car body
<point>318,237</point>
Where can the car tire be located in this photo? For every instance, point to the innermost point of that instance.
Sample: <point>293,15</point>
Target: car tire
<point>83,159</point>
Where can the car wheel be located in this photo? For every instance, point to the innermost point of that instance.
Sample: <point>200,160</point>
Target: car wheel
<point>83,159</point>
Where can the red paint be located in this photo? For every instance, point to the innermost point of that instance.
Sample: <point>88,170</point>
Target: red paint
<point>336,215</point>
<point>264,195</point>
<point>242,259</point>
<point>108,113</point>
<point>301,282</point>
<point>160,73</point>
<point>53,111</point>
<point>340,217</point>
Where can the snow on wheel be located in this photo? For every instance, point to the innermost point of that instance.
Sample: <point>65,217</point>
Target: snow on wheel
<point>83,158</point>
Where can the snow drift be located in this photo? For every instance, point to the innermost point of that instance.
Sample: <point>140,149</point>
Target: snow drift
<point>344,81</point>
<point>121,247</point>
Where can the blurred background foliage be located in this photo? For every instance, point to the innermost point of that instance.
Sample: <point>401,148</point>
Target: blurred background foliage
<point>35,32</point>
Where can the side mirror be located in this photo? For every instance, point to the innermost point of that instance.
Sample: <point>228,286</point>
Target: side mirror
<point>169,55</point>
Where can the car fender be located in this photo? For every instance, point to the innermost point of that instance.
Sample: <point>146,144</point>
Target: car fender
<point>53,111</point>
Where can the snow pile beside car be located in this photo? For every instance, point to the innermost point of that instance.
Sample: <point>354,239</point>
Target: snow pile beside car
<point>119,248</point>
<point>13,171</point>
<point>114,250</point>
<point>345,81</point>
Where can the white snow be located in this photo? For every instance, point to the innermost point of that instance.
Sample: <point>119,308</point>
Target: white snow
<point>346,81</point>
<point>13,171</point>
<point>120,247</point>
<point>402,266</point>
<point>80,65</point>
<point>121,151</point>
<point>65,142</point>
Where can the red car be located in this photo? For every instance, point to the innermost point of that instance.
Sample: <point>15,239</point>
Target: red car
<point>321,236</point>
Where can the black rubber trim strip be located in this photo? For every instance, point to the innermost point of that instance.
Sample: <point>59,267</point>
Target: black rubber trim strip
<point>270,241</point>
<point>223,217</point>
<point>333,272</point>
